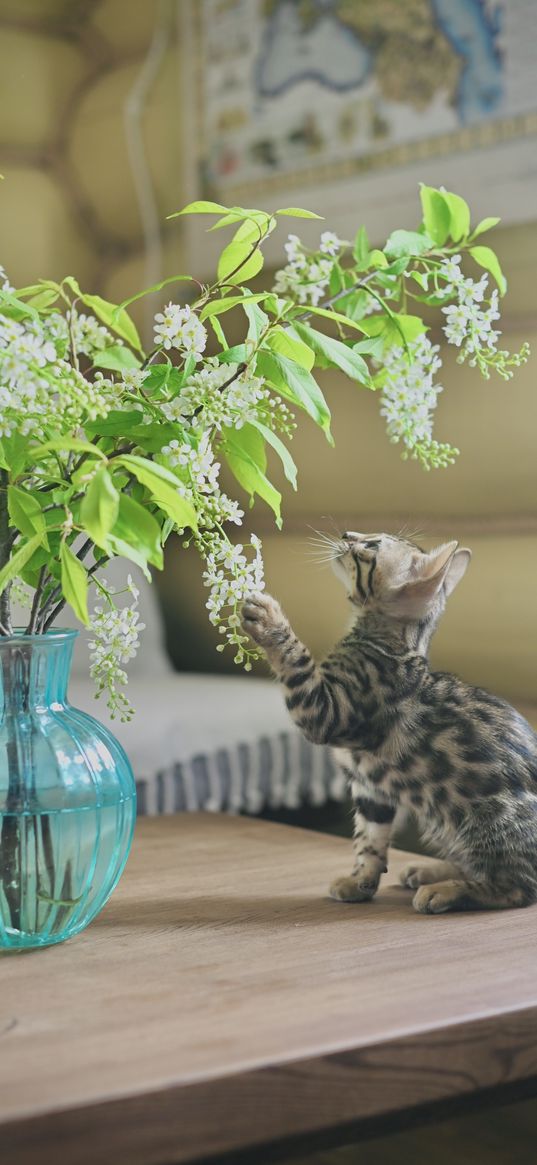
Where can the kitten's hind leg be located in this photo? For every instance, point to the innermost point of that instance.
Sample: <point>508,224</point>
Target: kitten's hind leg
<point>372,828</point>
<point>458,894</point>
<point>420,874</point>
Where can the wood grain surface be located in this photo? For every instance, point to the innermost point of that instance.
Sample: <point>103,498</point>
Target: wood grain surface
<point>222,1001</point>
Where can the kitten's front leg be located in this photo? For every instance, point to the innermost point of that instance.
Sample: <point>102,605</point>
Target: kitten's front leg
<point>265,623</point>
<point>372,828</point>
<point>314,704</point>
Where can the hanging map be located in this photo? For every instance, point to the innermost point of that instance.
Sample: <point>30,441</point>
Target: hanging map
<point>296,89</point>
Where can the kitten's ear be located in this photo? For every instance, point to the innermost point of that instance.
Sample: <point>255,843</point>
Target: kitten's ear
<point>427,575</point>
<point>457,568</point>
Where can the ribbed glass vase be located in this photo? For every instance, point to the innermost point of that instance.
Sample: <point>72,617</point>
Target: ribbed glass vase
<point>67,798</point>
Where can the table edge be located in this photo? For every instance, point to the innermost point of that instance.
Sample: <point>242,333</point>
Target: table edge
<point>274,1102</point>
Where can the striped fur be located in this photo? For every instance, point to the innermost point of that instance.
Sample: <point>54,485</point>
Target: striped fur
<point>463,760</point>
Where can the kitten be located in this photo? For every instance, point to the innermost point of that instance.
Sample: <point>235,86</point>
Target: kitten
<point>463,760</point>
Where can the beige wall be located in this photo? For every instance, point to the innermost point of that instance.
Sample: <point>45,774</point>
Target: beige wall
<point>69,204</point>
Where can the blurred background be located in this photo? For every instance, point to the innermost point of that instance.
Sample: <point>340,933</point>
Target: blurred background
<point>114,114</point>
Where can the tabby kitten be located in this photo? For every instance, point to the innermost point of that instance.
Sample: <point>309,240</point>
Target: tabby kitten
<point>463,760</point>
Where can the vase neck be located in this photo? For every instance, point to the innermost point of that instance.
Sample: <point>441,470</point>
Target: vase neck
<point>34,670</point>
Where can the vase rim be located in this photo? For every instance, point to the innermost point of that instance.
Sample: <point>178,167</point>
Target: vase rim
<point>57,634</point>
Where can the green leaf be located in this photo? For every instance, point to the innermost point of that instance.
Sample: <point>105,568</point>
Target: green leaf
<point>163,376</point>
<point>235,355</point>
<point>253,229</point>
<point>115,318</point>
<point>336,316</point>
<point>18,561</point>
<point>66,445</point>
<point>258,321</point>
<point>118,423</point>
<point>410,326</point>
<point>487,258</point>
<point>407,243</point>
<point>74,583</point>
<point>239,259</point>
<point>297,385</point>
<point>113,315</point>
<point>153,289</point>
<point>137,528</point>
<point>395,329</point>
<point>99,508</point>
<point>217,306</point>
<point>361,249</point>
<point>459,214</point>
<point>486,224</point>
<point>118,548</point>
<point>272,439</point>
<point>200,207</point>
<point>436,214</point>
<point>163,487</point>
<point>26,513</point>
<point>335,353</point>
<point>297,212</point>
<point>373,346</point>
<point>245,454</point>
<point>16,308</point>
<point>219,332</point>
<point>377,259</point>
<point>116,358</point>
<point>228,220</point>
<point>337,280</point>
<point>36,288</point>
<point>152,437</point>
<point>43,299</point>
<point>286,343</point>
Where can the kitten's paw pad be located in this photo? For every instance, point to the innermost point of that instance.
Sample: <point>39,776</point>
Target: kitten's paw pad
<point>437,898</point>
<point>413,876</point>
<point>262,618</point>
<point>352,890</point>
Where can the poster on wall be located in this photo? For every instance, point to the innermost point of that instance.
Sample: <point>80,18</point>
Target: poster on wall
<point>319,95</point>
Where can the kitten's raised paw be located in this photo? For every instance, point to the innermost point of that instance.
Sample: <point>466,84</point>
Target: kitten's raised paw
<point>350,889</point>
<point>263,618</point>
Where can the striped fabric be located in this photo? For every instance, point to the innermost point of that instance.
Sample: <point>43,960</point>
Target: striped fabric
<point>272,772</point>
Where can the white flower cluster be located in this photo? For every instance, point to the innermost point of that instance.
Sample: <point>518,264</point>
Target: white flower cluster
<point>37,385</point>
<point>116,641</point>
<point>179,328</point>
<point>4,281</point>
<point>409,397</point>
<point>198,460</point>
<point>231,577</point>
<point>204,392</point>
<point>200,475</point>
<point>88,335</point>
<point>469,322</point>
<point>306,276</point>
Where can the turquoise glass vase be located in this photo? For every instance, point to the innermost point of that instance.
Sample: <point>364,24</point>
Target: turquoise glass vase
<point>67,798</point>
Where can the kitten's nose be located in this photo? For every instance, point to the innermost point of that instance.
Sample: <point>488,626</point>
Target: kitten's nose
<point>349,535</point>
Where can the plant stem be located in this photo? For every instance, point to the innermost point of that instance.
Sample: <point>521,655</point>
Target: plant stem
<point>59,607</point>
<point>30,630</point>
<point>10,835</point>
<point>340,295</point>
<point>44,623</point>
<point>6,543</point>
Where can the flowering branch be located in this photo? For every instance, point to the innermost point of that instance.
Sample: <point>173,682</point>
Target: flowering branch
<point>106,450</point>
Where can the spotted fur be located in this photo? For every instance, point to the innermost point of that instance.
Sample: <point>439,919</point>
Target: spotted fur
<point>463,760</point>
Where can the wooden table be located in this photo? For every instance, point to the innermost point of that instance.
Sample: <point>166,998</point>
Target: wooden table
<point>222,1001</point>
